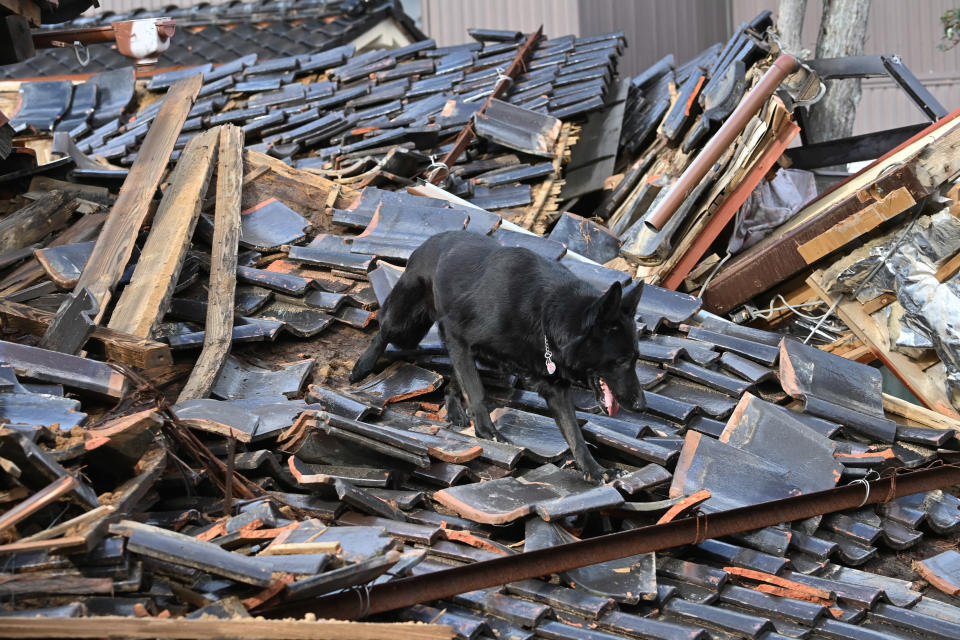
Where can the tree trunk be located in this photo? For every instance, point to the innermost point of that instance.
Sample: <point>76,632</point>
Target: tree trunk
<point>843,29</point>
<point>790,15</point>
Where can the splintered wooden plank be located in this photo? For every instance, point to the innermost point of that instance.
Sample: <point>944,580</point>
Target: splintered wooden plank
<point>82,230</point>
<point>216,629</point>
<point>916,415</point>
<point>303,191</point>
<point>43,498</point>
<point>33,222</point>
<point>697,242</point>
<point>147,297</point>
<point>848,230</point>
<point>223,267</point>
<point>930,391</point>
<point>115,242</point>
<point>921,164</point>
<point>117,346</point>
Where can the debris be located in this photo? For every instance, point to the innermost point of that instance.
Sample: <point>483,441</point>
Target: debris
<point>746,498</point>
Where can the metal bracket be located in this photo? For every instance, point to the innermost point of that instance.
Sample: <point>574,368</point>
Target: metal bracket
<point>868,146</point>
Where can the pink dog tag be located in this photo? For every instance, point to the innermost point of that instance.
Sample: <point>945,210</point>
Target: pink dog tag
<point>548,357</point>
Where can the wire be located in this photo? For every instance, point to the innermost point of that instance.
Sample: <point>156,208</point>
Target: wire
<point>713,273</point>
<point>795,308</point>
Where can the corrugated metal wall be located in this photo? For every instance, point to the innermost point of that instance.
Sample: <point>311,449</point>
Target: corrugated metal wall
<point>653,27</point>
<point>909,29</point>
<point>447,21</point>
<point>656,28</point>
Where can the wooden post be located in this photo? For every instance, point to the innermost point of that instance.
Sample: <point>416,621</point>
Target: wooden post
<point>223,267</point>
<point>115,243</point>
<point>147,297</point>
<point>228,477</point>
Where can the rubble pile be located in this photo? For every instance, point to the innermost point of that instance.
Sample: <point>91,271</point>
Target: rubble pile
<point>187,281</point>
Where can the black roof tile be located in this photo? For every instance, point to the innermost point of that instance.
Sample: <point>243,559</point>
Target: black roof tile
<point>216,34</point>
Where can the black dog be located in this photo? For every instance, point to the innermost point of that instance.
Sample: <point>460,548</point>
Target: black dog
<point>512,309</point>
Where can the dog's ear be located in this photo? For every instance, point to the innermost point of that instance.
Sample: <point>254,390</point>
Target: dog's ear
<point>631,298</point>
<point>606,309</point>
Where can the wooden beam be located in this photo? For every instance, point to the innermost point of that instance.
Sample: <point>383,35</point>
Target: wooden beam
<point>917,415</point>
<point>303,191</point>
<point>218,329</point>
<point>920,164</point>
<point>46,496</point>
<point>113,248</point>
<point>146,299</point>
<point>215,629</point>
<point>930,392</point>
<point>114,345</point>
<point>853,227</point>
<point>73,526</point>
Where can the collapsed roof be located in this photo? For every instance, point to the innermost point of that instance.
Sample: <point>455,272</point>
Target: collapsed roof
<point>264,206</point>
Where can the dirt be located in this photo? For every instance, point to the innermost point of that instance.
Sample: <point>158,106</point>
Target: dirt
<point>335,350</point>
<point>899,564</point>
<point>67,439</point>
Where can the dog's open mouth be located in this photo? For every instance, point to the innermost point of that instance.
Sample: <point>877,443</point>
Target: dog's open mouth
<point>607,401</point>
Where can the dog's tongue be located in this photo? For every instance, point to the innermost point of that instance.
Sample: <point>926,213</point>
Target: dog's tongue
<point>609,402</point>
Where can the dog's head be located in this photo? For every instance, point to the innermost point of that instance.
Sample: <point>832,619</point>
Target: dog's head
<point>606,355</point>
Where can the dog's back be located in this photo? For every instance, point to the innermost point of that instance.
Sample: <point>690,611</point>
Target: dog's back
<point>493,296</point>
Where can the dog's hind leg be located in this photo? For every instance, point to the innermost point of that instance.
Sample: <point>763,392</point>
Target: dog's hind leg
<point>468,378</point>
<point>560,403</point>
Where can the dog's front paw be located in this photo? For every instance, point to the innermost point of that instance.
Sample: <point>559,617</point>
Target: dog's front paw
<point>491,434</point>
<point>609,475</point>
<point>483,427</point>
<point>596,474</point>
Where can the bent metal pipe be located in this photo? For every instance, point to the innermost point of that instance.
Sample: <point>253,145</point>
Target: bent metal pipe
<point>362,601</point>
<point>784,65</point>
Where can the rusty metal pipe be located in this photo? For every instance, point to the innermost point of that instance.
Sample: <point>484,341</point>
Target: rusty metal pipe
<point>733,126</point>
<point>359,602</point>
<point>438,174</point>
